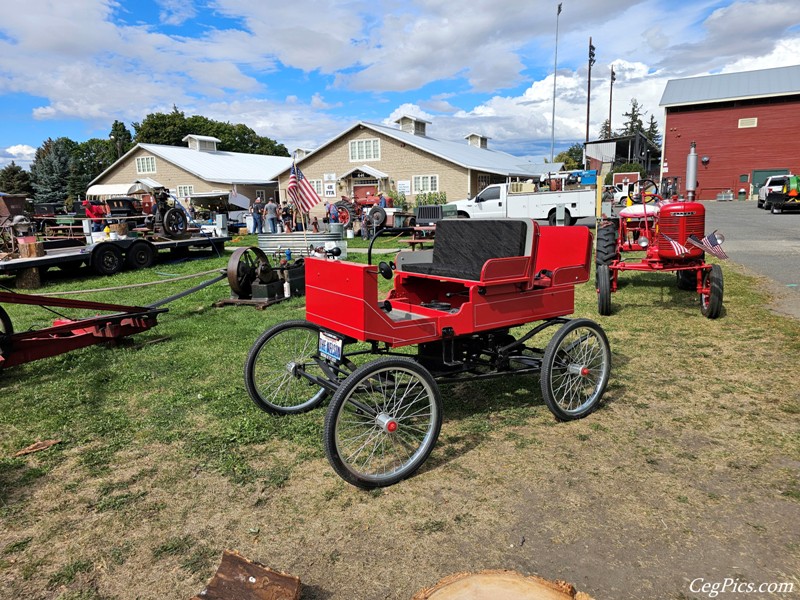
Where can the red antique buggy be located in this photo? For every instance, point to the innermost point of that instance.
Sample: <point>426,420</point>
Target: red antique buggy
<point>459,304</point>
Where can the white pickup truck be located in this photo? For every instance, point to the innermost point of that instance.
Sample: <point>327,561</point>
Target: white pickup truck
<point>519,200</point>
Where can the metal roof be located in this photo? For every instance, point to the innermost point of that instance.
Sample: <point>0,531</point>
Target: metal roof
<point>470,157</point>
<point>366,169</point>
<point>764,83</point>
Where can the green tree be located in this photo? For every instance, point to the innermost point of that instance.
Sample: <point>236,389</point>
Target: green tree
<point>15,180</point>
<point>50,170</point>
<point>605,131</point>
<point>87,161</point>
<point>625,168</point>
<point>572,157</point>
<point>633,123</point>
<point>120,139</point>
<point>652,133</point>
<point>160,128</point>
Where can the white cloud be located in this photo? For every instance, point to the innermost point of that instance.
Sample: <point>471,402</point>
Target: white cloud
<point>176,12</point>
<point>19,154</point>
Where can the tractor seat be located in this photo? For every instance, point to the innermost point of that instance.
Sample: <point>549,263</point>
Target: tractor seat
<point>637,211</point>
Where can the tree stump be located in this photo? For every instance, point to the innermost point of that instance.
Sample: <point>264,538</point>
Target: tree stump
<point>28,279</point>
<point>31,249</point>
<point>240,579</point>
<point>492,585</point>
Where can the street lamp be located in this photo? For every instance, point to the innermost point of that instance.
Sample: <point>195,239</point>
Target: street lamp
<point>555,70</point>
<point>118,144</point>
<point>610,96</point>
<point>589,87</point>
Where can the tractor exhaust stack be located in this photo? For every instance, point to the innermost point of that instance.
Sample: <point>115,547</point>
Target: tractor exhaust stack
<point>691,172</point>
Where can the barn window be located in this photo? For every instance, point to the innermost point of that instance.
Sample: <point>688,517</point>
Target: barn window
<point>748,123</point>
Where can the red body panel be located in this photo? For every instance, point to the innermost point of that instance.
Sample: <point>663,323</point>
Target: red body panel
<point>343,296</point>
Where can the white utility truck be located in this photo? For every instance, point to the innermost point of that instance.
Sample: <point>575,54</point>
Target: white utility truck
<point>521,200</point>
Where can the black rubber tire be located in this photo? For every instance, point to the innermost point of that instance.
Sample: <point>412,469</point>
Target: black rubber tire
<point>711,303</point>
<point>404,395</point>
<point>686,280</point>
<point>378,215</point>
<point>607,249</point>
<point>272,361</point>
<point>775,210</point>
<point>175,222</point>
<point>603,281</point>
<point>140,255</point>
<point>551,218</point>
<point>107,259</point>
<point>576,366</point>
<point>347,210</point>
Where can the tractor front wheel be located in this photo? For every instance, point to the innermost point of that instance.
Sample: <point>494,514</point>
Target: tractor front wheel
<point>711,302</point>
<point>603,276</point>
<point>575,369</point>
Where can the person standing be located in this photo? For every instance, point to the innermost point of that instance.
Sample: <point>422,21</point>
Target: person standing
<point>333,213</point>
<point>257,210</point>
<point>271,213</point>
<point>381,200</point>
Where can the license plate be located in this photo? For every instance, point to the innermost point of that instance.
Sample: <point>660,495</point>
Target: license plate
<point>330,346</point>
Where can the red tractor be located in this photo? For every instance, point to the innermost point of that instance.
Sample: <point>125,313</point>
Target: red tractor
<point>672,235</point>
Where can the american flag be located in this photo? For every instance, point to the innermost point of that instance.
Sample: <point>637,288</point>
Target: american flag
<point>678,248</point>
<point>301,191</point>
<point>709,243</point>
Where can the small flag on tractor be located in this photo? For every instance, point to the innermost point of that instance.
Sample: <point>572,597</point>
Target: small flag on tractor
<point>679,249</point>
<point>709,243</point>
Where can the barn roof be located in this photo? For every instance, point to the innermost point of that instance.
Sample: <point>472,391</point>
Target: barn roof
<point>764,83</point>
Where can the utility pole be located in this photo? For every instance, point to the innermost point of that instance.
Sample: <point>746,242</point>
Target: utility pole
<point>589,86</point>
<point>555,70</point>
<point>610,96</point>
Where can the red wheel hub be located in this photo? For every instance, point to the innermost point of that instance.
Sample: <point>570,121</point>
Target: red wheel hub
<point>391,426</point>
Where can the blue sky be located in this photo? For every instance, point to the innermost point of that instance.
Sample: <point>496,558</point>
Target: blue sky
<point>303,71</point>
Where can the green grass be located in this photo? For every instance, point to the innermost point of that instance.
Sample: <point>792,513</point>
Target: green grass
<point>179,406</point>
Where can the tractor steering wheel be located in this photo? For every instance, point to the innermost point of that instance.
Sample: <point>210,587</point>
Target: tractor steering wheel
<point>644,196</point>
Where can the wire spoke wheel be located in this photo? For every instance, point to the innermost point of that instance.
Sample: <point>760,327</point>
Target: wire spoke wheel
<point>276,365</point>
<point>575,369</point>
<point>383,422</point>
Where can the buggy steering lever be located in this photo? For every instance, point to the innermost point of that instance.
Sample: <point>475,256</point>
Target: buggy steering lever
<point>387,231</point>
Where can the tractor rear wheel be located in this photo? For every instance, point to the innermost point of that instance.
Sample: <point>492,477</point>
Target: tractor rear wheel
<point>603,277</point>
<point>575,369</point>
<point>607,251</point>
<point>347,213</point>
<point>711,303</point>
<point>687,280</point>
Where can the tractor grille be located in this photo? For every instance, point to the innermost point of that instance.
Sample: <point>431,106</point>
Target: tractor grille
<point>679,228</point>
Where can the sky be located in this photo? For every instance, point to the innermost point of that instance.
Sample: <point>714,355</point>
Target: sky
<point>304,71</point>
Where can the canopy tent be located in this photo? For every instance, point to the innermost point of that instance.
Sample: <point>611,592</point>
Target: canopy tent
<point>107,190</point>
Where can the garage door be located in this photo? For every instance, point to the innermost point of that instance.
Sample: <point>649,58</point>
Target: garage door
<point>760,176</point>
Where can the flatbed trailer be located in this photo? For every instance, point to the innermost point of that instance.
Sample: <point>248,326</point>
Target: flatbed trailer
<point>109,256</point>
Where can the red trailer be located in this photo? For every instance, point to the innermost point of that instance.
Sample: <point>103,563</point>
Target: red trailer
<point>452,315</point>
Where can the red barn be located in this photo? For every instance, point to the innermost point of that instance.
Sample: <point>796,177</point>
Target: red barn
<point>746,125</point>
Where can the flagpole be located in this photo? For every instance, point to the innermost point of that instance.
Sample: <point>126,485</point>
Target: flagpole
<point>555,69</point>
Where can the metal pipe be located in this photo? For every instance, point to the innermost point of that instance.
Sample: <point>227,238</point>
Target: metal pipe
<point>691,172</point>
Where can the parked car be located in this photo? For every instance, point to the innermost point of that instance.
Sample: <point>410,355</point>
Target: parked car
<point>774,183</point>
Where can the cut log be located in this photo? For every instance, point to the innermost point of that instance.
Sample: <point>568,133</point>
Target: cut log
<point>119,228</point>
<point>491,585</point>
<point>28,279</point>
<point>240,579</point>
<point>31,249</point>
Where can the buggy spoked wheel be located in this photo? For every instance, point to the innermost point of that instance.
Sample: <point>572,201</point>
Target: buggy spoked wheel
<point>273,372</point>
<point>711,296</point>
<point>575,369</point>
<point>383,422</point>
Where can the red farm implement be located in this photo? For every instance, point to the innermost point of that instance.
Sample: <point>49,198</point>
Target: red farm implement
<point>460,305</point>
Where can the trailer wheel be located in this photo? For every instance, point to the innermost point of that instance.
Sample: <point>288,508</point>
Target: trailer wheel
<point>273,372</point>
<point>575,369</point>
<point>140,255</point>
<point>687,280</point>
<point>603,277</point>
<point>711,302</point>
<point>607,250</point>
<point>382,422</point>
<point>107,259</point>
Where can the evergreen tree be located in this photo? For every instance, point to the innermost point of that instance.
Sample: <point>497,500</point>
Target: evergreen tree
<point>15,180</point>
<point>633,123</point>
<point>605,131</point>
<point>50,170</point>
<point>120,138</point>
<point>652,132</point>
